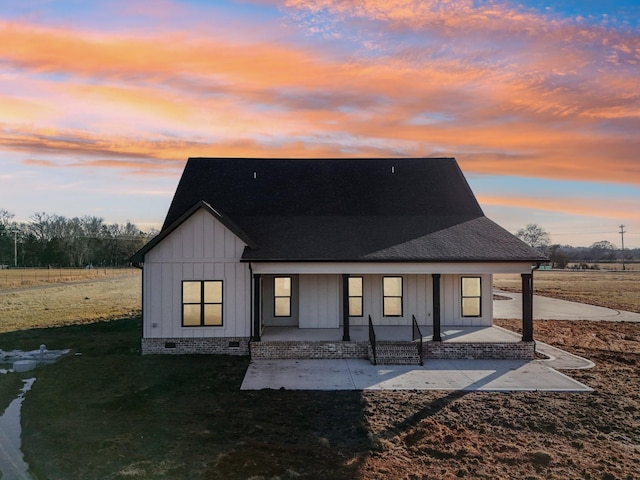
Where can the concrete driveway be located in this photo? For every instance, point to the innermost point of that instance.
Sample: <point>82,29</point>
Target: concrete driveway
<point>545,308</point>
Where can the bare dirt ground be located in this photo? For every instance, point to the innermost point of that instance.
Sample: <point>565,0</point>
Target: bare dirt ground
<point>524,435</point>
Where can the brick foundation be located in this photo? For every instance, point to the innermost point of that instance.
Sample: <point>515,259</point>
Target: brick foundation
<point>181,346</point>
<point>500,351</point>
<point>308,350</point>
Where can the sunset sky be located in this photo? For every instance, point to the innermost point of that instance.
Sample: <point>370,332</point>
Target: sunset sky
<point>102,101</point>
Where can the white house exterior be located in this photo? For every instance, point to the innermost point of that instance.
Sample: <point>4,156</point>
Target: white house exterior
<point>253,244</point>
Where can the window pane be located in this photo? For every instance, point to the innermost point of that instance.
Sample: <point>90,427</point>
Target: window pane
<point>213,314</point>
<point>392,286</point>
<point>213,292</point>
<point>191,315</point>
<point>392,307</point>
<point>191,292</point>
<point>355,306</point>
<point>355,286</point>
<point>282,286</point>
<point>283,307</point>
<point>470,307</point>
<point>470,287</point>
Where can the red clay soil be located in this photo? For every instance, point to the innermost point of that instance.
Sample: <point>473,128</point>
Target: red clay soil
<point>518,435</point>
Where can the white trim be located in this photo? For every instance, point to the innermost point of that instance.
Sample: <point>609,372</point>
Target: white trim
<point>363,268</point>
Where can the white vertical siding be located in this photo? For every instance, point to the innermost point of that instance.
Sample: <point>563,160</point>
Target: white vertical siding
<point>451,307</point>
<point>202,248</point>
<point>416,301</point>
<point>319,301</point>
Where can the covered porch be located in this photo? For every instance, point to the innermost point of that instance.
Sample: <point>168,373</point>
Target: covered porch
<point>392,344</point>
<point>389,333</point>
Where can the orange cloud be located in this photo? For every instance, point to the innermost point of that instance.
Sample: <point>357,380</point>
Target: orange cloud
<point>169,95</point>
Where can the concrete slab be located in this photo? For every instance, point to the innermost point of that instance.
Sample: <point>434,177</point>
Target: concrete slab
<point>469,375</point>
<point>546,308</point>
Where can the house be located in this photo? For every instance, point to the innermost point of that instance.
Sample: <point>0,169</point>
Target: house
<point>325,252</point>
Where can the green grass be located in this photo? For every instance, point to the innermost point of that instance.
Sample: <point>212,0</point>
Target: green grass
<point>107,412</point>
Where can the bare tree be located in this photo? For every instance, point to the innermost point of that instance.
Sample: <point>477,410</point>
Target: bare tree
<point>535,236</point>
<point>603,250</point>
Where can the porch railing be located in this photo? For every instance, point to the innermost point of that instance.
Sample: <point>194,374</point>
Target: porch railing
<point>417,335</point>
<point>372,340</point>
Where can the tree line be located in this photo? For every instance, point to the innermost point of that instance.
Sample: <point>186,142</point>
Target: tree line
<point>56,241</point>
<point>563,256</point>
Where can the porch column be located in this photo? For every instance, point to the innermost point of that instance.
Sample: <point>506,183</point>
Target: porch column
<point>527,307</point>
<point>345,308</point>
<point>257,306</point>
<point>436,307</point>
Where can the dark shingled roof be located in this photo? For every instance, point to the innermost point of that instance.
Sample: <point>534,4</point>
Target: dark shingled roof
<point>418,209</point>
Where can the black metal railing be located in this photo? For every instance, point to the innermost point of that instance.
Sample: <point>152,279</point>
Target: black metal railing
<point>417,335</point>
<point>372,341</point>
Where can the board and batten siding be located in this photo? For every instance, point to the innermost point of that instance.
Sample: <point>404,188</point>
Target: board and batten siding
<point>319,301</point>
<point>451,302</point>
<point>202,248</point>
<point>418,300</point>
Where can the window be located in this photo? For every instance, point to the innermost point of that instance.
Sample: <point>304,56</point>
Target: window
<point>471,297</point>
<point>392,296</point>
<point>202,303</point>
<point>355,297</point>
<point>282,297</point>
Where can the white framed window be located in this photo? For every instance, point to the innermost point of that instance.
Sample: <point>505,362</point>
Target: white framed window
<point>202,303</point>
<point>471,293</point>
<point>282,296</point>
<point>355,297</point>
<point>392,296</point>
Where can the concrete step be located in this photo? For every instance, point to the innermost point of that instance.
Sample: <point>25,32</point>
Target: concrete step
<point>395,353</point>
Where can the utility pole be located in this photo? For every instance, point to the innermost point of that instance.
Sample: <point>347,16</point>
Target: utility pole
<point>622,232</point>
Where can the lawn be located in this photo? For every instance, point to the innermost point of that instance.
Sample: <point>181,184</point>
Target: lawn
<point>109,413</point>
<point>57,304</point>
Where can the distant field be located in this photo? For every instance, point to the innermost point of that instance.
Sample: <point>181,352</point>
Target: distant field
<point>27,277</point>
<point>613,289</point>
<point>609,266</point>
<point>52,304</point>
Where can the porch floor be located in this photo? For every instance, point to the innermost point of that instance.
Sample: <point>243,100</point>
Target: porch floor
<point>392,333</point>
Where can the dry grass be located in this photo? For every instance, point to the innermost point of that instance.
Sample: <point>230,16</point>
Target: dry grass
<point>31,277</point>
<point>617,290</point>
<point>64,304</point>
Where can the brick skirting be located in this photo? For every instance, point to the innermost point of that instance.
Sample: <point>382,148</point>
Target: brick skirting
<point>308,350</point>
<point>180,346</point>
<point>500,351</point>
<point>328,349</point>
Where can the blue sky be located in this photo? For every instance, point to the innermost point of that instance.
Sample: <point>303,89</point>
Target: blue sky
<point>102,102</point>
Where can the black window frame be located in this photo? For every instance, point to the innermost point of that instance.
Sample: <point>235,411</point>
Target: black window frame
<point>275,297</point>
<point>202,303</point>
<point>401,297</point>
<point>463,296</point>
<point>361,296</point>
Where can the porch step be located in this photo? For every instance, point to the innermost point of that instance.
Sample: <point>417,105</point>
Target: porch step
<point>395,353</point>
